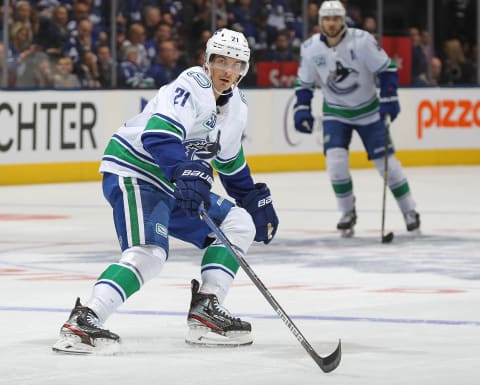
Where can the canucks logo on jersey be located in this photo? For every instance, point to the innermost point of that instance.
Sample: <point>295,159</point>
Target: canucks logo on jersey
<point>343,80</point>
<point>202,148</point>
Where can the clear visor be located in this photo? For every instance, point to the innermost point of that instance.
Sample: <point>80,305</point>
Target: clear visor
<point>225,64</point>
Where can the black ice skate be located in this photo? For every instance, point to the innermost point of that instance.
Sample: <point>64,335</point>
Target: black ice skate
<point>212,325</point>
<point>346,223</point>
<point>412,220</point>
<point>82,334</point>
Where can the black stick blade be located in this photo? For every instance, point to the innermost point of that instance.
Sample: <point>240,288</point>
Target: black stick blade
<point>330,363</point>
<point>387,238</point>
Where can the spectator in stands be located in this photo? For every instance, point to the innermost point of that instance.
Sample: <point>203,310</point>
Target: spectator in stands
<point>136,38</point>
<point>53,33</point>
<point>25,56</point>
<point>419,71</point>
<point>221,14</point>
<point>64,76</point>
<point>105,65</point>
<point>261,40</point>
<point>25,17</point>
<point>34,69</point>
<point>11,75</point>
<point>130,12</point>
<point>166,68</point>
<point>196,17</point>
<point>370,25</point>
<point>280,15</point>
<point>9,20</point>
<point>87,70</point>
<point>43,71</point>
<point>163,32</point>
<point>84,41</point>
<point>436,69</point>
<point>80,11</point>
<point>474,60</point>
<point>20,41</point>
<point>151,17</point>
<point>131,75</point>
<point>312,19</point>
<point>457,69</point>
<point>281,50</point>
<point>242,17</point>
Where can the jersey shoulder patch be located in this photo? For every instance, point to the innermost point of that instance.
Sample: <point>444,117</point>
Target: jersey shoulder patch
<point>196,77</point>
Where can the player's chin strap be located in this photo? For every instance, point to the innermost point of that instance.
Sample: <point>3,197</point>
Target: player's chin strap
<point>327,364</point>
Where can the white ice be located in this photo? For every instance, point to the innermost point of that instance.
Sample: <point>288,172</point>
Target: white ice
<point>406,312</point>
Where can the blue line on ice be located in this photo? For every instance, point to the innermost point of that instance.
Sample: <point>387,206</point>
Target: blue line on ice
<point>261,316</point>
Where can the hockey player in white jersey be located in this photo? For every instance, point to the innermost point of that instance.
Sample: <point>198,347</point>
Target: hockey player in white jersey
<point>347,63</point>
<point>156,173</point>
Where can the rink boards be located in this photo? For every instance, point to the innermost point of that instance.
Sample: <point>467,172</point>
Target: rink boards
<point>59,136</point>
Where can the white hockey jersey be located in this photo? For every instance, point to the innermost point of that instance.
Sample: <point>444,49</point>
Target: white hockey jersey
<point>347,75</point>
<point>184,110</point>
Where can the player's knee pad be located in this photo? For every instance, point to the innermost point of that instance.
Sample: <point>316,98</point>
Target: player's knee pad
<point>395,171</point>
<point>337,163</point>
<point>147,260</point>
<point>239,228</point>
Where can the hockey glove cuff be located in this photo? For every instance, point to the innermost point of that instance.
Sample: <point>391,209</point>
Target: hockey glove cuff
<point>388,94</point>
<point>258,203</point>
<point>193,180</point>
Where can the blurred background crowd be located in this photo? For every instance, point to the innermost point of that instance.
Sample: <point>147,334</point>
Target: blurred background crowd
<point>147,43</point>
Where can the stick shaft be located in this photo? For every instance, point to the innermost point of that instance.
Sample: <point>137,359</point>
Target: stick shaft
<point>326,364</point>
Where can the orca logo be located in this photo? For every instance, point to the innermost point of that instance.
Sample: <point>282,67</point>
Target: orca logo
<point>202,148</point>
<point>342,80</point>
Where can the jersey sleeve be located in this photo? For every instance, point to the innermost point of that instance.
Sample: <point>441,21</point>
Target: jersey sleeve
<point>231,163</point>
<point>235,175</point>
<point>376,59</point>
<point>306,74</point>
<point>173,114</point>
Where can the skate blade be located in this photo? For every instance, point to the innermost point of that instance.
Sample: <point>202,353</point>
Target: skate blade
<point>71,344</point>
<point>203,336</point>
<point>347,233</point>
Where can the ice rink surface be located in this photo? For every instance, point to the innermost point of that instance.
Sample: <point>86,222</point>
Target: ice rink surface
<point>407,312</point>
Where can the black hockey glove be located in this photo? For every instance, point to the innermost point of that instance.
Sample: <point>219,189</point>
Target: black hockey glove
<point>258,203</point>
<point>194,180</point>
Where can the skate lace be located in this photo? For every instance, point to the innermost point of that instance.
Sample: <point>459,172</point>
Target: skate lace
<point>92,320</point>
<point>224,312</point>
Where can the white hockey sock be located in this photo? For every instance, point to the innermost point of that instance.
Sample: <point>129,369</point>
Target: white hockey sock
<point>397,182</point>
<point>218,266</point>
<point>340,178</point>
<point>120,280</point>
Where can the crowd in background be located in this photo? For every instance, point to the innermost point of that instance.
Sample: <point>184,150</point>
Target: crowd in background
<point>67,43</point>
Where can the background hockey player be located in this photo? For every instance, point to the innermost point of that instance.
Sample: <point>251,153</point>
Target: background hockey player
<point>156,172</point>
<point>347,63</point>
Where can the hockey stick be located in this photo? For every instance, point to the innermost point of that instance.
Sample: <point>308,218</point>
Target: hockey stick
<point>327,364</point>
<point>386,238</point>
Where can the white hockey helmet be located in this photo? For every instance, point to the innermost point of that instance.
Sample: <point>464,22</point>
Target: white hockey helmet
<point>331,8</point>
<point>229,43</point>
